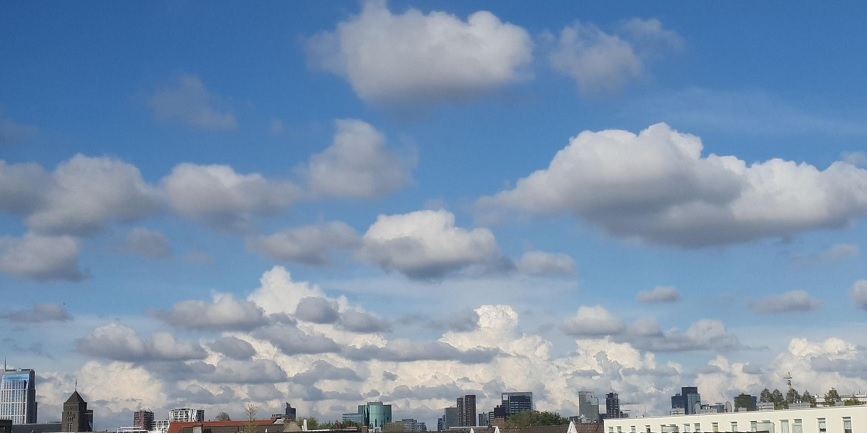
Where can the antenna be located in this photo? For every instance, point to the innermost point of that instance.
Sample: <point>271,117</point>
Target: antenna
<point>788,379</point>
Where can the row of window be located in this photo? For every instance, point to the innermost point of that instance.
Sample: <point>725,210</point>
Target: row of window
<point>755,426</point>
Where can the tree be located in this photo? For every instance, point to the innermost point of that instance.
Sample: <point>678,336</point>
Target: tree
<point>809,398</point>
<point>312,423</point>
<point>778,399</point>
<point>394,427</point>
<point>765,396</point>
<point>852,401</point>
<point>250,411</point>
<point>792,396</point>
<point>530,418</point>
<point>746,401</point>
<point>832,398</point>
<point>223,416</point>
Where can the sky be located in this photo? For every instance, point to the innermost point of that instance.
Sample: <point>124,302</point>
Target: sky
<point>210,204</point>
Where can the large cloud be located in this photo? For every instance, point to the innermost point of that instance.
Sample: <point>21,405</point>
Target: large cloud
<point>40,257</point>
<point>410,57</point>
<point>357,165</point>
<point>426,244</point>
<point>119,342</point>
<point>189,103</point>
<point>311,244</point>
<point>225,313</point>
<point>656,187</point>
<point>218,196</point>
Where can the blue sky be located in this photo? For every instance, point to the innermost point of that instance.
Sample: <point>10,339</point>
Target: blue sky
<point>411,201</point>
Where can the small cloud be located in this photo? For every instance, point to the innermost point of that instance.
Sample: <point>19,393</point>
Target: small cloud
<point>310,245</point>
<point>857,159</point>
<point>276,127</point>
<point>225,313</point>
<point>38,313</point>
<point>199,257</point>
<point>546,264</point>
<point>189,103</point>
<point>859,294</point>
<point>593,321</point>
<point>147,243</point>
<point>119,342</point>
<point>13,133</point>
<point>792,301</point>
<point>660,294</point>
<point>837,253</point>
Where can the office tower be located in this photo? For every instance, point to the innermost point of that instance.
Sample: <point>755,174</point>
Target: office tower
<point>516,402</point>
<point>460,406</point>
<point>186,415</point>
<point>588,407</point>
<point>143,419</point>
<point>466,407</point>
<point>18,395</point>
<point>483,419</point>
<point>375,414</point>
<point>76,416</point>
<point>691,400</point>
<point>612,406</point>
<point>450,418</point>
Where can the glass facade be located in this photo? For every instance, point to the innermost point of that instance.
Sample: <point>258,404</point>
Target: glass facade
<point>18,396</point>
<point>376,414</point>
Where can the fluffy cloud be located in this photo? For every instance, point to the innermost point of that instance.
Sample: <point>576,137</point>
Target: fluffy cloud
<point>41,258</point>
<point>317,310</point>
<point>408,351</point>
<point>357,165</point>
<point>323,370</point>
<point>225,313</point>
<point>247,372</point>
<point>705,334</point>
<point>425,244</point>
<point>859,294</point>
<point>87,193</point>
<point>189,103</point>
<point>593,321</point>
<point>792,301</point>
<point>660,294</point>
<point>38,313</point>
<point>219,197</point>
<point>308,244</point>
<point>119,342</point>
<point>292,341</point>
<point>23,187</point>
<point>148,243</point>
<point>362,322</point>
<point>546,264</point>
<point>837,253</point>
<point>278,294</point>
<point>600,62</point>
<point>656,187</point>
<point>233,347</point>
<point>439,57</point>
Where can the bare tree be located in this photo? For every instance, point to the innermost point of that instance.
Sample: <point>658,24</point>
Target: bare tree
<point>250,411</point>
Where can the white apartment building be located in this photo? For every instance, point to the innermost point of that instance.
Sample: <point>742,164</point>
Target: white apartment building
<point>186,415</point>
<point>841,419</point>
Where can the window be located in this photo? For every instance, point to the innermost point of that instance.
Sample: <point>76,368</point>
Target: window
<point>646,428</point>
<point>697,427</point>
<point>796,426</point>
<point>754,426</point>
<point>847,424</point>
<point>619,429</point>
<point>686,427</point>
<point>632,429</point>
<point>784,425</point>
<point>714,426</point>
<point>610,429</point>
<point>822,427</point>
<point>734,427</point>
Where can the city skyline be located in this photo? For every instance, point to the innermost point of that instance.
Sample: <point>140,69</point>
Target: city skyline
<point>207,203</point>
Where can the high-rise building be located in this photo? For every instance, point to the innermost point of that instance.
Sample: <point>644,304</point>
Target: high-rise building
<point>460,406</point>
<point>450,417</point>
<point>373,415</point>
<point>612,406</point>
<point>688,399</point>
<point>76,417</point>
<point>18,395</point>
<point>516,402</point>
<point>588,407</point>
<point>466,407</point>
<point>143,419</point>
<point>186,415</point>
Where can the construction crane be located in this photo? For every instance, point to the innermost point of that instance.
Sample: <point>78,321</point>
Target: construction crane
<point>788,379</point>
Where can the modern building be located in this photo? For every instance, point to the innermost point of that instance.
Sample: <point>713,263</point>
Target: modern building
<point>450,418</point>
<point>18,395</point>
<point>466,407</point>
<point>516,402</point>
<point>588,407</point>
<point>186,415</point>
<point>612,406</point>
<point>143,419</point>
<point>76,417</point>
<point>688,399</point>
<point>483,419</point>
<point>161,425</point>
<point>843,419</point>
<point>374,415</point>
<point>412,425</point>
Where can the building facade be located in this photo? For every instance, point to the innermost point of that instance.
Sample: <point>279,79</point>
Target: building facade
<point>612,406</point>
<point>186,415</point>
<point>143,419</point>
<point>516,402</point>
<point>688,399</point>
<point>588,407</point>
<point>466,407</point>
<point>450,417</point>
<point>18,395</point>
<point>76,417</point>
<point>374,415</point>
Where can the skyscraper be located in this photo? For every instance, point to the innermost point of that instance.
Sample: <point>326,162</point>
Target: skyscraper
<point>18,395</point>
<point>450,417</point>
<point>588,407</point>
<point>687,399</point>
<point>612,406</point>
<point>516,402</point>
<point>143,419</point>
<point>468,417</point>
<point>76,417</point>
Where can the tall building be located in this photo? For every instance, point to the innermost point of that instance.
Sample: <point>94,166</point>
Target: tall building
<point>588,407</point>
<point>412,425</point>
<point>466,407</point>
<point>18,395</point>
<point>612,406</point>
<point>688,399</point>
<point>186,415</point>
<point>373,415</point>
<point>143,419</point>
<point>76,417</point>
<point>450,418</point>
<point>516,402</point>
<point>289,413</point>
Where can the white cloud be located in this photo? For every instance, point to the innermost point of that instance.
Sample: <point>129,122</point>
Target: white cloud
<point>89,192</point>
<point>660,294</point>
<point>148,243</point>
<point>357,165</point>
<point>44,312</point>
<point>119,342</point>
<point>425,244</point>
<point>278,294</point>
<point>857,159</point>
<point>308,244</point>
<point>656,187</point>
<point>189,103</point>
<point>218,196</point>
<point>40,257</point>
<point>859,294</point>
<point>546,264</point>
<point>837,253</point>
<point>412,57</point>
<point>23,187</point>
<point>13,133</point>
<point>225,313</point>
<point>792,301</point>
<point>593,321</point>
<point>705,334</point>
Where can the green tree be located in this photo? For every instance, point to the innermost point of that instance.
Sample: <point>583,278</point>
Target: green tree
<point>530,418</point>
<point>745,401</point>
<point>832,398</point>
<point>312,423</point>
<point>809,398</point>
<point>765,396</point>
<point>778,399</point>
<point>852,401</point>
<point>792,396</point>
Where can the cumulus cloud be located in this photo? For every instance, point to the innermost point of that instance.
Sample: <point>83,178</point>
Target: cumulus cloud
<point>218,196</point>
<point>593,321</point>
<point>705,334</point>
<point>292,341</point>
<point>792,301</point>
<point>660,294</point>
<point>656,187</point>
<point>247,372</point>
<point>546,264</point>
<point>188,102</point>
<point>603,63</point>
<point>23,187</point>
<point>357,165</point>
<point>425,244</point>
<point>45,312</point>
<point>323,370</point>
<point>89,192</point>
<point>147,243</point>
<point>362,322</point>
<point>409,351</point>
<point>317,310</point>
<point>279,294</point>
<point>857,159</point>
<point>225,313</point>
<point>41,258</point>
<point>119,342</point>
<point>439,58</point>
<point>233,347</point>
<point>310,245</point>
<point>859,294</point>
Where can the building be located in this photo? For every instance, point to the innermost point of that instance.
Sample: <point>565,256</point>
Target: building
<point>374,415</point>
<point>450,418</point>
<point>186,415</point>
<point>688,399</point>
<point>612,406</point>
<point>412,425</point>
<point>76,417</point>
<point>466,407</point>
<point>18,395</point>
<point>143,419</point>
<point>483,419</point>
<point>516,402</point>
<point>844,419</point>
<point>273,425</point>
<point>588,407</point>
<point>161,425</point>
